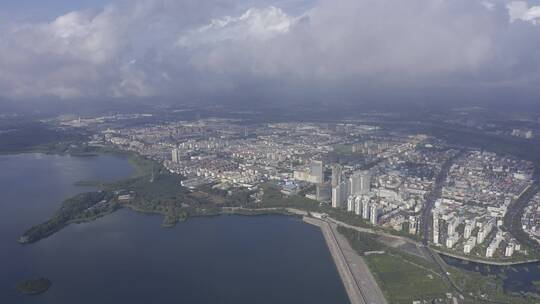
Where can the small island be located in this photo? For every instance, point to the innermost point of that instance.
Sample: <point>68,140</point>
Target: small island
<point>34,287</point>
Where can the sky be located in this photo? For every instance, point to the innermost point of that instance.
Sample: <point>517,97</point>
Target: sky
<point>263,50</point>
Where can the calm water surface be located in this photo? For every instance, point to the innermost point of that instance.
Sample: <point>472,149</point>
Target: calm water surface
<point>128,258</point>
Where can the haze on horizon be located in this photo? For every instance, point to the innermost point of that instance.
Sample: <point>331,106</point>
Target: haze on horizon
<point>441,50</point>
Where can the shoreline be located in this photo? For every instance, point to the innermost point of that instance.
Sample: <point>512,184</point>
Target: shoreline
<point>298,212</point>
<point>140,170</point>
<point>356,277</point>
<point>488,263</point>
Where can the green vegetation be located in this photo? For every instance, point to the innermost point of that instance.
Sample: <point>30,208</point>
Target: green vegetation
<point>403,282</point>
<point>361,242</point>
<point>273,198</point>
<point>80,208</point>
<point>89,184</point>
<point>152,190</point>
<point>30,136</point>
<point>404,277</point>
<point>481,286</point>
<point>255,212</point>
<point>143,166</point>
<point>161,193</point>
<point>401,276</point>
<point>34,287</point>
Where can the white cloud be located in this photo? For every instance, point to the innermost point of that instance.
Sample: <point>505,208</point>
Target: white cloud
<point>519,10</point>
<point>180,48</point>
<point>488,5</point>
<point>341,39</point>
<point>256,24</point>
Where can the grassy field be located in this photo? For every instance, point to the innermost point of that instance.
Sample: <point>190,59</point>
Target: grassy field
<point>402,277</point>
<point>403,282</point>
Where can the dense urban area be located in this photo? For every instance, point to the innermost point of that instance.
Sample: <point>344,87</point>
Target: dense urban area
<point>388,179</point>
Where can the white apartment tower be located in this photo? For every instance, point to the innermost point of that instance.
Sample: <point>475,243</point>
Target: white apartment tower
<point>351,203</point>
<point>358,206</point>
<point>175,155</point>
<point>365,210</point>
<point>336,196</point>
<point>360,182</point>
<point>374,217</point>
<point>435,228</point>
<point>365,181</point>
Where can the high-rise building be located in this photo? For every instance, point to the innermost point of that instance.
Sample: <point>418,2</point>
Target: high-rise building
<point>365,181</point>
<point>350,203</point>
<point>314,174</point>
<point>452,225</point>
<point>490,251</point>
<point>374,217</point>
<point>509,251</point>
<point>360,182</point>
<point>317,171</point>
<point>413,224</point>
<point>365,210</point>
<point>469,245</point>
<point>340,194</point>
<point>355,182</point>
<point>451,240</point>
<point>336,196</point>
<point>336,175</point>
<point>468,230</point>
<point>435,228</point>
<point>323,191</point>
<point>345,190</point>
<point>175,155</point>
<point>358,206</point>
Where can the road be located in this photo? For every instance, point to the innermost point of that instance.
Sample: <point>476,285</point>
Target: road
<point>359,283</point>
<point>432,196</point>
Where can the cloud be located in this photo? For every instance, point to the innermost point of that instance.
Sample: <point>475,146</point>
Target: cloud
<point>254,24</point>
<point>348,39</point>
<point>193,48</point>
<point>519,10</point>
<point>488,5</point>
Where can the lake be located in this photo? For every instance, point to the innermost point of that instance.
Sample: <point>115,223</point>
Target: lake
<point>127,257</point>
